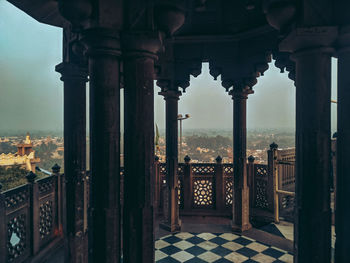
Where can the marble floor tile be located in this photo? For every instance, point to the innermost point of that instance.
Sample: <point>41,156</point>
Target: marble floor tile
<point>209,257</point>
<point>182,256</point>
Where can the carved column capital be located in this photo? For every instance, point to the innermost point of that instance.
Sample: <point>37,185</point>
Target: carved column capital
<point>101,42</point>
<point>72,71</point>
<point>171,94</point>
<point>168,89</point>
<point>241,91</point>
<point>141,44</point>
<point>239,85</point>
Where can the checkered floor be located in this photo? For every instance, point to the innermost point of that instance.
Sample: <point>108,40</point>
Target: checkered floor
<point>216,248</point>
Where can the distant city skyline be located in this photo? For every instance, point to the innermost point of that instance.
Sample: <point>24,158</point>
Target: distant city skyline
<point>32,93</point>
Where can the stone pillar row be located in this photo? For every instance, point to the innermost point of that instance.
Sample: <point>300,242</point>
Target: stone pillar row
<point>111,55</point>
<point>104,49</point>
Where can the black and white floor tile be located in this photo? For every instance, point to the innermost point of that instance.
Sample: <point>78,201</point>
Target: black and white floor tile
<point>216,248</point>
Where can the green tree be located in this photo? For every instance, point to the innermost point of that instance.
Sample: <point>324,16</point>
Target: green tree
<point>12,177</point>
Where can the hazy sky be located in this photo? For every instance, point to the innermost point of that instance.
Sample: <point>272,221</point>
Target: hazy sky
<point>31,94</point>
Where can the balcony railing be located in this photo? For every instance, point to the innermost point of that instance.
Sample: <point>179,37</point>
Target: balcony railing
<point>31,218</point>
<point>204,188</point>
<point>207,188</point>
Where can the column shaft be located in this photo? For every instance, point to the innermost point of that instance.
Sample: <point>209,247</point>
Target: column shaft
<point>74,78</point>
<point>312,228</point>
<point>240,221</point>
<point>172,223</point>
<point>342,245</point>
<point>105,235</point>
<point>139,158</point>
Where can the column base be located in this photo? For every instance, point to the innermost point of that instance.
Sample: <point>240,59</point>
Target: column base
<point>170,227</point>
<point>240,228</point>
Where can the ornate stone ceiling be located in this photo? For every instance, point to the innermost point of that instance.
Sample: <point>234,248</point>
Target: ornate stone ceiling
<point>222,17</point>
<point>204,17</point>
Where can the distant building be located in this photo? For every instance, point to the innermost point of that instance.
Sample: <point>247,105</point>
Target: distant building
<point>25,156</point>
<point>4,140</point>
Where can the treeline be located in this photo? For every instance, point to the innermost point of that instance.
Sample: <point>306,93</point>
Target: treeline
<point>44,152</point>
<point>12,177</point>
<point>218,142</point>
<point>207,148</point>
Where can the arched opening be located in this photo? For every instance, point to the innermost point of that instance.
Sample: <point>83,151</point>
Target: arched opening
<point>270,117</point>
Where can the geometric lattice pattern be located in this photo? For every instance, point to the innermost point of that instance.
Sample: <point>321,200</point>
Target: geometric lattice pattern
<point>162,167</point>
<point>228,190</point>
<point>46,219</point>
<point>287,201</point>
<point>45,185</point>
<point>203,192</point>
<point>203,169</point>
<point>16,237</point>
<point>261,170</point>
<point>216,248</point>
<point>261,194</point>
<point>15,198</point>
<point>228,169</point>
<point>180,169</point>
<point>179,192</point>
<point>261,177</point>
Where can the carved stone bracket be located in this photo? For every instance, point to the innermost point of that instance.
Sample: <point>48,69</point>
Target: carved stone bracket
<point>73,48</point>
<point>183,71</point>
<point>244,70</point>
<point>169,15</point>
<point>283,62</point>
<point>214,70</point>
<point>173,74</point>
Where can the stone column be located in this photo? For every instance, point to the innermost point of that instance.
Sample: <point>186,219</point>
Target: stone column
<point>104,70</point>
<point>138,231</point>
<point>74,77</point>
<point>312,226</point>
<point>172,222</point>
<point>342,226</point>
<point>240,219</point>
